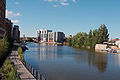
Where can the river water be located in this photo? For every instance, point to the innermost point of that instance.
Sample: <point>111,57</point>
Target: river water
<point>67,63</point>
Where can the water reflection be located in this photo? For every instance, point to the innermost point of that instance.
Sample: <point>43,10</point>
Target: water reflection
<point>46,51</point>
<point>100,62</point>
<point>117,59</point>
<point>67,63</point>
<point>51,51</point>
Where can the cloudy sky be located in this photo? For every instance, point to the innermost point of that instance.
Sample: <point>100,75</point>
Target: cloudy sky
<point>69,16</point>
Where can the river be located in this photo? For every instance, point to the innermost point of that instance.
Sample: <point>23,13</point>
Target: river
<point>67,63</point>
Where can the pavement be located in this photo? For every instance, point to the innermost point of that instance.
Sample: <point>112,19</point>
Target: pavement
<point>23,73</point>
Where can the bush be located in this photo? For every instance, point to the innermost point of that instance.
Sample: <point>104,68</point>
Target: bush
<point>9,71</point>
<point>21,57</point>
<point>20,52</point>
<point>5,47</point>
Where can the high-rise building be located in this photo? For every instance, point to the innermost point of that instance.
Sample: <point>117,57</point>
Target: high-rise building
<point>56,37</point>
<point>42,35</point>
<point>24,38</point>
<point>16,33</point>
<point>8,27</point>
<point>2,17</point>
<point>51,36</point>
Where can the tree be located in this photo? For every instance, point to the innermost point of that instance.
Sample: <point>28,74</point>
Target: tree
<point>90,38</point>
<point>69,42</point>
<point>97,36</point>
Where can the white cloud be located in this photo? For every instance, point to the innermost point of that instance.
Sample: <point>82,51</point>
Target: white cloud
<point>16,3</point>
<point>61,2</point>
<point>15,21</point>
<point>55,5</point>
<point>11,14</point>
<point>51,0</point>
<point>74,1</point>
<point>65,4</point>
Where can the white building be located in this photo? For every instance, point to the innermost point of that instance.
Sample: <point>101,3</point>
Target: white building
<point>118,43</point>
<point>56,37</point>
<point>42,35</point>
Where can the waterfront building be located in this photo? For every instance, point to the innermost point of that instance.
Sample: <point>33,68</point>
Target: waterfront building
<point>56,37</point>
<point>42,35</point>
<point>2,17</point>
<point>8,27</point>
<point>51,36</point>
<point>24,38</point>
<point>16,33</point>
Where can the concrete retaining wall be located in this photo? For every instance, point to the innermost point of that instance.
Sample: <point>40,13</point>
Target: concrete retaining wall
<point>99,47</point>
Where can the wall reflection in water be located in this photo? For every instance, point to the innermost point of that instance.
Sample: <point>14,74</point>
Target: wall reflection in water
<point>117,59</point>
<point>46,51</point>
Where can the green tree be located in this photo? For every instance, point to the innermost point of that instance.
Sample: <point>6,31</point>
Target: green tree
<point>90,38</point>
<point>97,36</point>
<point>69,41</point>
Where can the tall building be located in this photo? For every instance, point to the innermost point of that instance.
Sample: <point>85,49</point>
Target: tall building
<point>24,38</point>
<point>8,27</point>
<point>42,35</point>
<point>2,17</point>
<point>56,37</point>
<point>16,33</point>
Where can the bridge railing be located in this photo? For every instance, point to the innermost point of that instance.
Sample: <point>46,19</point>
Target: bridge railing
<point>34,72</point>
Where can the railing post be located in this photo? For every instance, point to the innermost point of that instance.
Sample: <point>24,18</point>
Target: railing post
<point>35,73</point>
<point>38,76</point>
<point>32,71</point>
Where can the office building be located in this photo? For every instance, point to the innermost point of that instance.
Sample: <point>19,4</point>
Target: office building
<point>56,37</point>
<point>42,35</point>
<point>16,33</point>
<point>8,27</point>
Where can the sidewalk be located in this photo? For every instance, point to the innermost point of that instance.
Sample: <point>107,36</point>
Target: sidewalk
<point>23,73</point>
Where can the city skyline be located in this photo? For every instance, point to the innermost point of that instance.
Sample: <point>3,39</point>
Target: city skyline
<point>68,16</point>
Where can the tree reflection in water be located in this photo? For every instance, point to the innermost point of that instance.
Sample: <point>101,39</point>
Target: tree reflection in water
<point>98,60</point>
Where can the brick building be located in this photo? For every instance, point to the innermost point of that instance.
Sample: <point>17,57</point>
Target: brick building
<point>16,33</point>
<point>8,27</point>
<point>2,17</point>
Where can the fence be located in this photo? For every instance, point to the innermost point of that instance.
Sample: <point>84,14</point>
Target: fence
<point>34,72</point>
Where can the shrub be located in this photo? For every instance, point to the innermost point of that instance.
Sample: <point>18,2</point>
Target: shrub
<point>20,52</point>
<point>9,71</point>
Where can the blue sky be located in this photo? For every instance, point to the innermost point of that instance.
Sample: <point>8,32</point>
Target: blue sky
<point>69,16</point>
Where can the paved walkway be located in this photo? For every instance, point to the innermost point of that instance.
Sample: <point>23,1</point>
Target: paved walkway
<point>23,73</point>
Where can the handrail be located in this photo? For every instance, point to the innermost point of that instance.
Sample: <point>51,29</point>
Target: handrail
<point>34,72</point>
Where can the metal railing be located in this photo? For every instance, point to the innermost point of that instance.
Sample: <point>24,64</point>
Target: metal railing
<point>34,72</point>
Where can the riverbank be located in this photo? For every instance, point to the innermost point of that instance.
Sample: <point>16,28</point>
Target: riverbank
<point>23,73</point>
<point>107,48</point>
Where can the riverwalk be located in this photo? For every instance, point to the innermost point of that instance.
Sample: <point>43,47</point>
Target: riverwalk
<point>23,73</point>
